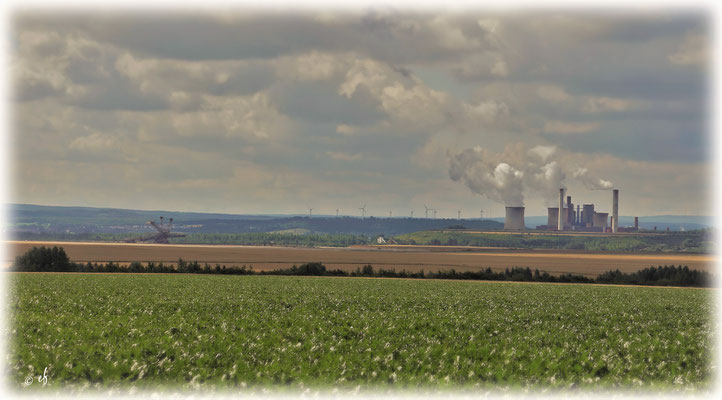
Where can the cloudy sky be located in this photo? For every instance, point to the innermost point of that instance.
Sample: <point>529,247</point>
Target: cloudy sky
<point>253,112</point>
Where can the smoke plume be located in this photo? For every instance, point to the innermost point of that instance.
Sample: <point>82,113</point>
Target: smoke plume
<point>546,181</point>
<point>504,177</point>
<point>590,182</point>
<point>497,181</point>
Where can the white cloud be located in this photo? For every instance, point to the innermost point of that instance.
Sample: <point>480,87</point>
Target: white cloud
<point>341,156</point>
<point>487,111</point>
<point>93,142</point>
<point>553,93</point>
<point>565,128</point>
<point>345,129</point>
<point>693,51</point>
<point>601,104</point>
<point>543,152</point>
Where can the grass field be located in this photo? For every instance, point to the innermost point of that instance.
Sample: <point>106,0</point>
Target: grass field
<point>151,331</point>
<point>410,258</point>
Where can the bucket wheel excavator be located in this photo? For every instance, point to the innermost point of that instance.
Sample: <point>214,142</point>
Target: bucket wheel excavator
<point>164,233</point>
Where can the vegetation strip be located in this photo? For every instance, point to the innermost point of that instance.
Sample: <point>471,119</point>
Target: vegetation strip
<point>693,242</point>
<point>45,259</point>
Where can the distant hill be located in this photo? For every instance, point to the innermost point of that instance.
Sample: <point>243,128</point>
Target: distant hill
<point>56,219</point>
<point>59,219</point>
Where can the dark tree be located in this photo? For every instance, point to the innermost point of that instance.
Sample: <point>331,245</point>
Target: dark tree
<point>41,259</point>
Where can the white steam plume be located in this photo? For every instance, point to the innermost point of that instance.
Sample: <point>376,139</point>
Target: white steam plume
<point>497,181</point>
<point>546,180</point>
<point>505,176</point>
<point>591,182</point>
<point>542,152</point>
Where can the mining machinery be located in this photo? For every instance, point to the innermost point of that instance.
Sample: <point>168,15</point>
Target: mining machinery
<point>164,233</point>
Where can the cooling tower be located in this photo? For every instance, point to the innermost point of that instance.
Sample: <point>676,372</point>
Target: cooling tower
<point>560,221</point>
<point>588,214</point>
<point>514,218</point>
<point>600,220</point>
<point>553,216</point>
<point>615,210</point>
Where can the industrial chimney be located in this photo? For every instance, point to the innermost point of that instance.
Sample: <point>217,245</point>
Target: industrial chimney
<point>514,218</point>
<point>560,221</point>
<point>615,210</point>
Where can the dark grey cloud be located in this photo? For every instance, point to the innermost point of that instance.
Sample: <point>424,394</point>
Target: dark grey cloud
<point>643,28</point>
<point>390,36</point>
<point>613,55</point>
<point>321,102</point>
<point>119,95</point>
<point>643,140</point>
<point>270,106</point>
<point>33,89</point>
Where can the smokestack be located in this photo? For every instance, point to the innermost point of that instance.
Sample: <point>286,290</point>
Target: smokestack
<point>636,223</point>
<point>514,218</point>
<point>560,221</point>
<point>588,214</point>
<point>615,210</point>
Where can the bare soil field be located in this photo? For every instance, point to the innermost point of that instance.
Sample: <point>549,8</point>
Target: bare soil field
<point>410,258</point>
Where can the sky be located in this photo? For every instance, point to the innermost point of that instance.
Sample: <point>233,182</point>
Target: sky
<point>252,111</point>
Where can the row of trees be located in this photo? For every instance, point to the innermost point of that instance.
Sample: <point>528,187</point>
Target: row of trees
<point>44,259</point>
<point>692,241</point>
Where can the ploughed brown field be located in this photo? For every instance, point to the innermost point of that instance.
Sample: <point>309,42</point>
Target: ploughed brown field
<point>410,258</point>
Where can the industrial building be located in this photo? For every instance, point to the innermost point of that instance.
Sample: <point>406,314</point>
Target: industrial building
<point>566,218</point>
<point>584,218</point>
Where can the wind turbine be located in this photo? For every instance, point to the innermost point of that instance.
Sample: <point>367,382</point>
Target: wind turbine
<point>427,211</point>
<point>481,214</point>
<point>310,212</point>
<point>434,214</point>
<point>389,213</point>
<point>363,211</point>
<point>337,213</point>
<point>412,213</point>
<point>458,214</point>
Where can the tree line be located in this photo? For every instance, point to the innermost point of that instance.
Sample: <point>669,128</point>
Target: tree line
<point>46,259</point>
<point>688,242</point>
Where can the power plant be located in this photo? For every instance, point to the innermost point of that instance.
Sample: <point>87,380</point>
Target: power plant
<point>565,218</point>
<point>514,219</point>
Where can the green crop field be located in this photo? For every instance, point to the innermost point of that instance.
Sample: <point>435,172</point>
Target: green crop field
<point>190,331</point>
